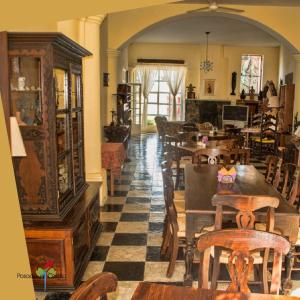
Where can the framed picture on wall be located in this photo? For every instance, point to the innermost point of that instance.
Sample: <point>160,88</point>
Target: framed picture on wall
<point>209,87</point>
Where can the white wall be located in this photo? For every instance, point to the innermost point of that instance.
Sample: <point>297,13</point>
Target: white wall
<point>287,63</point>
<point>227,59</point>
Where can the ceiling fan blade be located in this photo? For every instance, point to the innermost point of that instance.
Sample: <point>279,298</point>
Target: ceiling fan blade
<point>187,2</point>
<point>228,9</point>
<point>199,10</point>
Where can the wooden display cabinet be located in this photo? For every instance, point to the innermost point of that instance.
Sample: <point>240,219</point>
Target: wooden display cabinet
<point>41,85</point>
<point>44,93</point>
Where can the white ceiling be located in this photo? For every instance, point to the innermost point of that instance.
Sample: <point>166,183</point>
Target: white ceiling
<point>247,2</point>
<point>191,30</point>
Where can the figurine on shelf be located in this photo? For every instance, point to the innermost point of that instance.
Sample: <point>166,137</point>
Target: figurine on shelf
<point>190,91</point>
<point>243,95</point>
<point>251,93</point>
<point>233,83</point>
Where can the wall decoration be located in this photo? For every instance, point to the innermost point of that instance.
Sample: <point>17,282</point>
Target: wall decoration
<point>190,91</point>
<point>209,87</point>
<point>105,79</point>
<point>233,83</point>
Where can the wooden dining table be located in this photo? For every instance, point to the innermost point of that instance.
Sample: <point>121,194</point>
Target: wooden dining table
<point>201,185</point>
<point>154,291</point>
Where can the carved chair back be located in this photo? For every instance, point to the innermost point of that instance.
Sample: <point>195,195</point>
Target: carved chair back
<point>239,155</point>
<point>273,172</point>
<point>171,145</point>
<point>173,128</point>
<point>245,206</point>
<point>97,286</point>
<point>160,125</point>
<point>288,170</point>
<point>168,186</point>
<point>211,156</point>
<point>242,243</point>
<point>290,187</point>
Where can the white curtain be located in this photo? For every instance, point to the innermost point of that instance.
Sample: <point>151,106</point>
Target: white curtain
<point>146,76</point>
<point>175,77</point>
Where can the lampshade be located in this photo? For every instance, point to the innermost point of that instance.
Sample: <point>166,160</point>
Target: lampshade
<point>17,145</point>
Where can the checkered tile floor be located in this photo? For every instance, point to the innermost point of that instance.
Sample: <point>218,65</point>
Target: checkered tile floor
<point>132,220</point>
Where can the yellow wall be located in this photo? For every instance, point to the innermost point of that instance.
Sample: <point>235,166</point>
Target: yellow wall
<point>33,15</point>
<point>283,20</point>
<point>287,63</point>
<point>227,59</point>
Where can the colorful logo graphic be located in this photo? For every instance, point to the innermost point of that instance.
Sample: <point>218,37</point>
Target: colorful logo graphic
<point>47,271</point>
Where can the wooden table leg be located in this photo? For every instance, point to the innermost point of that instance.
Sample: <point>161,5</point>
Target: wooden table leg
<point>112,184</point>
<point>189,256</point>
<point>289,263</point>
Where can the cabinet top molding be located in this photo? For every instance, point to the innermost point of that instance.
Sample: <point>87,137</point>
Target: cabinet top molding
<point>55,38</point>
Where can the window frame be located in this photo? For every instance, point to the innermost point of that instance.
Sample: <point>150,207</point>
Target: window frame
<point>252,76</point>
<point>158,93</point>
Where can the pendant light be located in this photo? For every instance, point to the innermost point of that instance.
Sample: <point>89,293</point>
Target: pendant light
<point>206,65</point>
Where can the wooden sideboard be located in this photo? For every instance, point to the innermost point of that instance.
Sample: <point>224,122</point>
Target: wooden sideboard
<point>68,244</point>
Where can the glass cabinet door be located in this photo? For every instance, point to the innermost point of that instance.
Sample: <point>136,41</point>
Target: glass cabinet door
<point>77,130</point>
<point>25,90</point>
<point>63,139</point>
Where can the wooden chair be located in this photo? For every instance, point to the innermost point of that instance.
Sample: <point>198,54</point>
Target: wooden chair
<point>268,140</point>
<point>239,156</point>
<point>178,161</point>
<point>290,183</point>
<point>97,286</point>
<point>160,125</point>
<point>205,126</point>
<point>245,219</point>
<point>174,229</point>
<point>241,243</point>
<point>174,234</point>
<point>273,171</point>
<point>211,156</point>
<point>227,144</point>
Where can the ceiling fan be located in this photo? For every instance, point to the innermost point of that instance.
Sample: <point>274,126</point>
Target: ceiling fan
<point>212,7</point>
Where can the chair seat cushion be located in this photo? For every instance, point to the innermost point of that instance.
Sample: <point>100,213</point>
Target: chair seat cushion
<point>264,141</point>
<point>179,195</point>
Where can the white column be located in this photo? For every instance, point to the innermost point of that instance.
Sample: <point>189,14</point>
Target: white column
<point>112,66</point>
<point>297,85</point>
<point>89,37</point>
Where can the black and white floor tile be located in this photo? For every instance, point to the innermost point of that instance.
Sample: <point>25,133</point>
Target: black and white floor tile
<point>132,220</point>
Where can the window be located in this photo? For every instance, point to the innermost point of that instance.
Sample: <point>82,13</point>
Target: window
<point>160,99</point>
<point>251,73</point>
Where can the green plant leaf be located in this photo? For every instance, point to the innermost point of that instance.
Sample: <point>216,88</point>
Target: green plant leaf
<point>40,272</point>
<point>51,273</point>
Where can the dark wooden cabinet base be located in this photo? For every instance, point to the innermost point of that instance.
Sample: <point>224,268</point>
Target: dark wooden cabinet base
<point>69,244</point>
